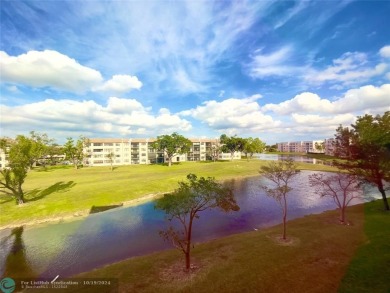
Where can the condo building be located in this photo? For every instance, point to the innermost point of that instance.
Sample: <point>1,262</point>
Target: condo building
<point>299,146</point>
<point>140,151</point>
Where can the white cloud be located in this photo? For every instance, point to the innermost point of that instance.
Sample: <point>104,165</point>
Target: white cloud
<point>48,69</point>
<point>348,69</point>
<point>306,102</point>
<point>121,84</point>
<point>120,117</point>
<point>184,83</point>
<point>321,120</point>
<point>233,115</point>
<point>365,98</point>
<point>272,64</point>
<point>385,52</point>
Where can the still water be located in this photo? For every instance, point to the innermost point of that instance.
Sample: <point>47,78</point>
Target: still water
<point>72,247</point>
<point>302,159</point>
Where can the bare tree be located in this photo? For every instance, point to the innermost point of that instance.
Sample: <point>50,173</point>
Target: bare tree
<point>342,187</point>
<point>280,173</point>
<point>216,150</point>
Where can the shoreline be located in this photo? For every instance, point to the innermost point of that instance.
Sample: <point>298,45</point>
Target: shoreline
<point>78,215</point>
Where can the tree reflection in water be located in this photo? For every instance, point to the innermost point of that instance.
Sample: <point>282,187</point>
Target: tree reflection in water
<point>16,264</point>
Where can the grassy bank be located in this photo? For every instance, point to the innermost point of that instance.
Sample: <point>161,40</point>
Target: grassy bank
<point>316,260</point>
<point>369,270</point>
<point>57,193</point>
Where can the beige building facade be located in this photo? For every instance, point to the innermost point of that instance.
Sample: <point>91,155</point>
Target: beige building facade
<point>139,151</point>
<point>308,146</point>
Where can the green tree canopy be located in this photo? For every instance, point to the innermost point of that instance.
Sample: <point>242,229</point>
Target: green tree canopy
<point>232,144</point>
<point>40,143</point>
<point>252,146</point>
<point>74,151</point>
<point>172,145</point>
<point>185,204</point>
<point>19,161</point>
<point>365,148</point>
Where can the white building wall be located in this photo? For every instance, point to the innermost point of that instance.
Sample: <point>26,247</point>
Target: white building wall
<point>298,146</point>
<point>139,151</point>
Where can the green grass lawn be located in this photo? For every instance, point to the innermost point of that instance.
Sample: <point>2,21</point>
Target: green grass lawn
<point>316,260</point>
<point>63,191</point>
<point>369,270</point>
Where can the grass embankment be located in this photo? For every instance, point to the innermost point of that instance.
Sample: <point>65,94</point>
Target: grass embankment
<point>315,261</point>
<point>57,193</point>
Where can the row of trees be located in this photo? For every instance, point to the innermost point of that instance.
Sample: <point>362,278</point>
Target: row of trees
<point>24,152</point>
<point>185,204</point>
<point>364,157</point>
<point>176,144</point>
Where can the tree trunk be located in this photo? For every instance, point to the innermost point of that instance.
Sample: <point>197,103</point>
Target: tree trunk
<point>188,248</point>
<point>284,218</point>
<point>20,196</point>
<point>382,191</point>
<point>342,215</point>
<point>188,261</point>
<point>169,162</point>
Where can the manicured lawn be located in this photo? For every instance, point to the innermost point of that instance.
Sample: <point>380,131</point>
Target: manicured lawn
<point>316,260</point>
<point>63,191</point>
<point>369,270</point>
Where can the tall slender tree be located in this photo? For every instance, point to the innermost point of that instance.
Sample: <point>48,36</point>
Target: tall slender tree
<point>280,174</point>
<point>74,151</point>
<point>111,156</point>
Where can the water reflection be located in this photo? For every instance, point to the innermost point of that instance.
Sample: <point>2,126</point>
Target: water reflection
<point>302,159</point>
<point>16,263</point>
<point>102,238</point>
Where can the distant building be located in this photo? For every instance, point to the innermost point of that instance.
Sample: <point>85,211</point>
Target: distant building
<point>300,146</point>
<point>139,151</point>
<point>329,146</point>
<point>3,159</point>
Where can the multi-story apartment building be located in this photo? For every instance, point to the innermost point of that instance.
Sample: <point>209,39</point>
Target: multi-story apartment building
<point>139,151</point>
<point>299,146</point>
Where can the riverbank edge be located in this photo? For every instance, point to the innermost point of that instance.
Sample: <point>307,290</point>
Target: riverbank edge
<point>141,266</point>
<point>81,214</point>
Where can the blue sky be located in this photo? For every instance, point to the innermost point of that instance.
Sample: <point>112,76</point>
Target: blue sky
<point>277,70</point>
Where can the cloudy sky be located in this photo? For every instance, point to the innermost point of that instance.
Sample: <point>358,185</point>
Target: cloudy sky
<point>278,70</point>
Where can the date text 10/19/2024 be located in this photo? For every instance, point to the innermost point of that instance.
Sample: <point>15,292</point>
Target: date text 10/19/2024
<point>103,285</point>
